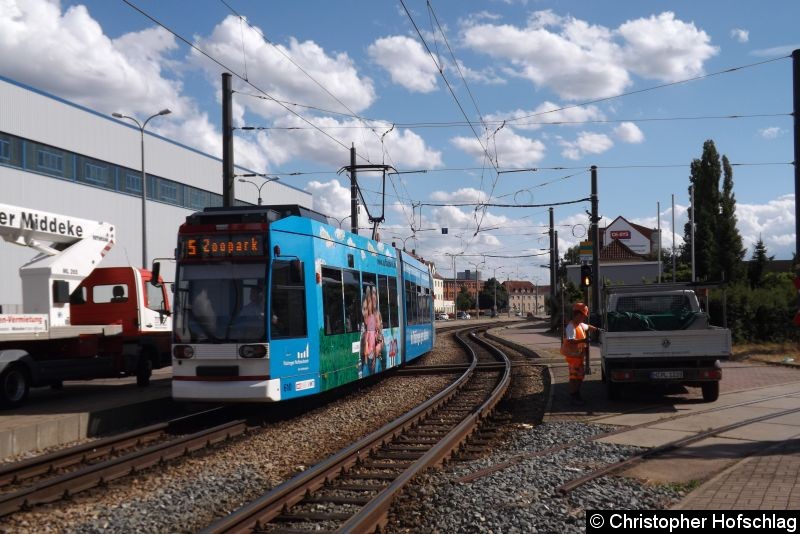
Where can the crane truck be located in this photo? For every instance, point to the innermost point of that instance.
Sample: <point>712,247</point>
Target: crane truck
<point>78,321</point>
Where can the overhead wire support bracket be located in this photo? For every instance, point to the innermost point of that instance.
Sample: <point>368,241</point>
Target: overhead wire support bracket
<point>385,169</point>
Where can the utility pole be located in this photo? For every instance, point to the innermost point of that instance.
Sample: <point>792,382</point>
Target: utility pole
<point>796,115</point>
<point>691,219</point>
<point>658,214</point>
<point>228,187</point>
<point>353,191</point>
<point>673,239</point>
<point>594,232</point>
<point>552,269</point>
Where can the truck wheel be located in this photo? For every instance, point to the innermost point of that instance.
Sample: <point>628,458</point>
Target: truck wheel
<point>710,391</point>
<point>143,372</point>
<point>14,386</point>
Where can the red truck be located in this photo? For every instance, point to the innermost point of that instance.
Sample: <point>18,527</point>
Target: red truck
<point>79,321</point>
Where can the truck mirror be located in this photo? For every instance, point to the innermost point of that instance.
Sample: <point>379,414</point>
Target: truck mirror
<point>155,271</point>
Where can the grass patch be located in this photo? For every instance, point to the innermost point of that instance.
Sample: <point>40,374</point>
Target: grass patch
<point>767,352</point>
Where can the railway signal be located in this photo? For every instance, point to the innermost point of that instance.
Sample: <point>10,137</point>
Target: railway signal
<point>586,275</point>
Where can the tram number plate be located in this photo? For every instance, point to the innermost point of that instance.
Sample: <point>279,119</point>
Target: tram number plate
<point>666,375</point>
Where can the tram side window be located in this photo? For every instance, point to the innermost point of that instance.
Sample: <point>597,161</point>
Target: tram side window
<point>352,301</point>
<point>288,300</point>
<point>393,312</point>
<point>428,305</point>
<point>409,302</point>
<point>383,289</point>
<point>332,303</point>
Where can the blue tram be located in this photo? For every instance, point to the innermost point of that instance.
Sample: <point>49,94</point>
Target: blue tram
<point>274,303</point>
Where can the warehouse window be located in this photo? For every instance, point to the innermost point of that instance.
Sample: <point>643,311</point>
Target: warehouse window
<point>50,160</point>
<point>168,191</point>
<point>96,174</point>
<point>133,182</point>
<point>5,150</point>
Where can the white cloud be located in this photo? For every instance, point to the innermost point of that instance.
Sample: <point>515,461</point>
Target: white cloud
<point>404,147</point>
<point>586,143</point>
<point>543,114</point>
<point>69,55</point>
<point>770,133</point>
<point>485,76</point>
<point>774,222</point>
<point>512,150</point>
<point>628,132</point>
<point>664,48</point>
<point>740,35</point>
<point>579,60</point>
<point>576,60</point>
<point>465,194</point>
<point>406,61</point>
<point>333,199</point>
<point>269,69</point>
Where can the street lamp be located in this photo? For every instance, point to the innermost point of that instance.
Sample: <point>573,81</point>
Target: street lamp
<point>267,180</point>
<point>141,127</point>
<point>404,239</point>
<point>477,293</point>
<point>340,221</point>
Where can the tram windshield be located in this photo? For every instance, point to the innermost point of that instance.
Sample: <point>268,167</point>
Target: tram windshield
<point>220,302</point>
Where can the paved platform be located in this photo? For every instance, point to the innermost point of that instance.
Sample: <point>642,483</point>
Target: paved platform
<point>751,467</point>
<point>82,409</point>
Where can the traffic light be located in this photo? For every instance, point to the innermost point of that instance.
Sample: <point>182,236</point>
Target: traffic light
<point>586,275</point>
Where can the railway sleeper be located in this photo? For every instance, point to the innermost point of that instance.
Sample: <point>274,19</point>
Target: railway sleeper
<point>311,517</point>
<point>386,465</point>
<point>337,499</point>
<point>407,447</point>
<point>368,476</point>
<point>395,455</point>
<point>376,488</point>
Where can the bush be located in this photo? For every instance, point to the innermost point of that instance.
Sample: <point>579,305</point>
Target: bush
<point>759,314</point>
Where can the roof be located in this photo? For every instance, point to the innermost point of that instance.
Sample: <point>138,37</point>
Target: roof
<point>647,232</point>
<point>519,285</point>
<point>618,251</point>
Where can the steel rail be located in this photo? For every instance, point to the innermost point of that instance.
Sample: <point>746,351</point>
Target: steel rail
<point>46,464</point>
<point>661,449</point>
<point>374,514</point>
<point>293,491</point>
<point>72,483</point>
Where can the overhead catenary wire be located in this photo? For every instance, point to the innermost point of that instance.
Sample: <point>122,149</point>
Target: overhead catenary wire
<point>446,82</point>
<point>232,71</point>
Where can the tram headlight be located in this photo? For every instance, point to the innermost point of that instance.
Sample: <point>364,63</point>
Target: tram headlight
<point>252,351</point>
<point>182,352</point>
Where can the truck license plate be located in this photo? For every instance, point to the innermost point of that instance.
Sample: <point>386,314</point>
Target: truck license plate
<point>666,375</point>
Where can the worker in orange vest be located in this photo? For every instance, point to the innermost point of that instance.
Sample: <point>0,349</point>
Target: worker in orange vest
<point>573,345</point>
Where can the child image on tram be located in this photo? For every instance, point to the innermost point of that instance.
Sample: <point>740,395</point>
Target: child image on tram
<point>372,342</point>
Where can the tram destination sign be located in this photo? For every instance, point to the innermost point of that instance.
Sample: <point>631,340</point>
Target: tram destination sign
<point>221,246</point>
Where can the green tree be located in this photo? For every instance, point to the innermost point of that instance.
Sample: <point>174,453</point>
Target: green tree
<point>758,264</point>
<point>487,295</point>
<point>730,249</point>
<point>705,175</point>
<point>572,256</point>
<point>464,300</point>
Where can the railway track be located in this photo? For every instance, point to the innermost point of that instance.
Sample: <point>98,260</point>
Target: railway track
<point>354,489</point>
<point>662,449</point>
<point>64,473</point>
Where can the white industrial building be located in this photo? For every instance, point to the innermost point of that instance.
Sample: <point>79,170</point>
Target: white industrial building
<point>60,157</point>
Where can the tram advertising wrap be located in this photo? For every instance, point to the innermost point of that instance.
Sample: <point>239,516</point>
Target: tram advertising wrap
<point>273,303</point>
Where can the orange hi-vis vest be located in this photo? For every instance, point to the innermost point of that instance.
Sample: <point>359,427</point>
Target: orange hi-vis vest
<point>572,350</point>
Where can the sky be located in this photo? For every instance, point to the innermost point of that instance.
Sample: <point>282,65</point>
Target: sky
<point>473,103</point>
